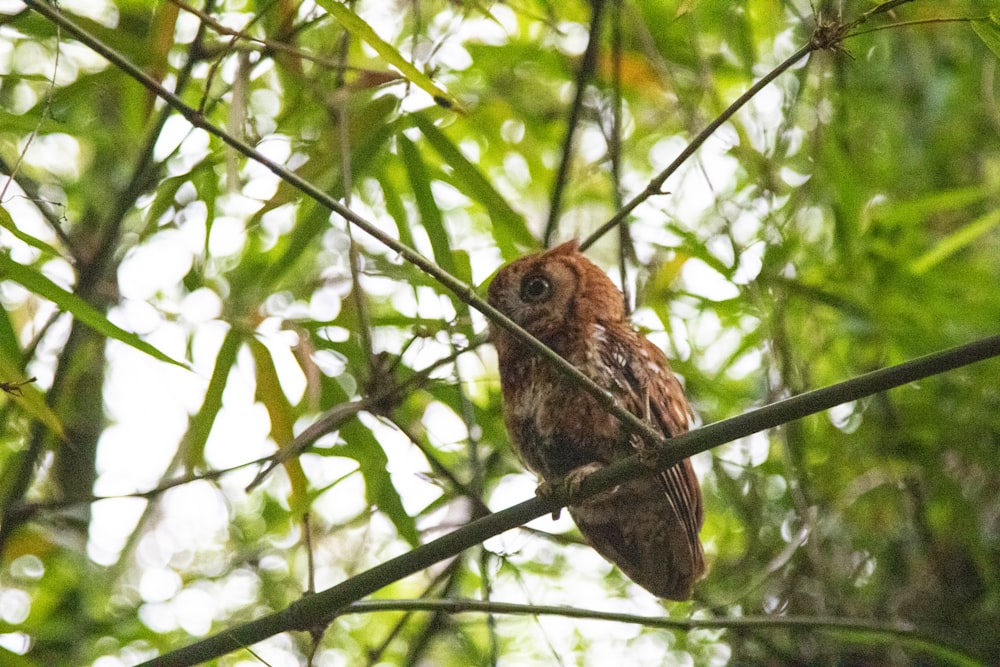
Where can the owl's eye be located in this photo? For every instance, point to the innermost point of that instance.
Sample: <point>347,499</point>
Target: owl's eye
<point>535,289</point>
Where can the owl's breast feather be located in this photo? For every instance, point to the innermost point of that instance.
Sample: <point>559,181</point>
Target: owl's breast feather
<point>554,425</point>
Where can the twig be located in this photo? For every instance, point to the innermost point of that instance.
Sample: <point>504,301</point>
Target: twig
<point>655,186</point>
<point>825,36</point>
<point>14,388</point>
<point>902,632</point>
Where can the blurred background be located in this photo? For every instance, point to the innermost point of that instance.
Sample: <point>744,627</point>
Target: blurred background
<point>186,313</point>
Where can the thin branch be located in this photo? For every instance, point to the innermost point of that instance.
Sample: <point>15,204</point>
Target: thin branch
<point>909,24</point>
<point>46,110</point>
<point>24,511</point>
<point>655,186</point>
<point>897,632</point>
<point>447,577</point>
<point>468,491</point>
<point>587,67</point>
<point>614,139</point>
<point>279,46</point>
<point>354,261</point>
<point>338,415</point>
<point>323,606</point>
<point>826,36</point>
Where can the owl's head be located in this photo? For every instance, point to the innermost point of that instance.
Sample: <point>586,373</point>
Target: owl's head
<point>555,293</point>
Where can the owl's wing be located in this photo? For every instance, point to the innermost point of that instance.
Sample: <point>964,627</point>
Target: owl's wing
<point>650,391</point>
<point>667,403</point>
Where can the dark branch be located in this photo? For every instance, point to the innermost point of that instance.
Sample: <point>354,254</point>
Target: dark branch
<point>323,606</point>
<point>587,67</point>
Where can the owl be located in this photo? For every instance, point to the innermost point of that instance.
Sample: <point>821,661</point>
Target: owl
<point>648,527</point>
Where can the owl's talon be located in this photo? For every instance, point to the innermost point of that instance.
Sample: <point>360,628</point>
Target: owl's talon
<point>574,480</point>
<point>545,490</point>
<point>649,455</point>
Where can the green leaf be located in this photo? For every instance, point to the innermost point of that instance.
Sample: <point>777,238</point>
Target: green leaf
<point>989,31</point>
<point>35,282</point>
<point>361,445</point>
<point>357,27</point>
<point>282,418</point>
<point>904,212</point>
<point>955,241</point>
<point>31,399</point>
<point>201,424</point>
<point>394,207</point>
<point>10,349</point>
<point>430,214</point>
<point>163,200</point>
<point>509,228</point>
<point>7,222</point>
<point>370,129</point>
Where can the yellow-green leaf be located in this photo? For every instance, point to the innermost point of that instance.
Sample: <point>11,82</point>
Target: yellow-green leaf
<point>35,282</point>
<point>280,412</point>
<point>7,222</point>
<point>357,27</point>
<point>989,31</point>
<point>30,398</point>
<point>955,241</point>
<point>201,424</point>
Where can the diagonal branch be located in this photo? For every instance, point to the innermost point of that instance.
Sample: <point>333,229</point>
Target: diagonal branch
<point>825,36</point>
<point>463,291</point>
<point>323,606</point>
<point>655,186</point>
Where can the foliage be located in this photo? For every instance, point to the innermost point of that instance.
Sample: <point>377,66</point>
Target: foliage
<point>188,313</point>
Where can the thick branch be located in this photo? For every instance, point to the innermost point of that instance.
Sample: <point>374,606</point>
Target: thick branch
<point>316,609</point>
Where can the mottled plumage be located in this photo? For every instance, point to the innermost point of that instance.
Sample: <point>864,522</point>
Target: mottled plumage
<point>647,527</point>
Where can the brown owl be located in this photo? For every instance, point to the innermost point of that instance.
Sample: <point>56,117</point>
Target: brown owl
<point>648,527</point>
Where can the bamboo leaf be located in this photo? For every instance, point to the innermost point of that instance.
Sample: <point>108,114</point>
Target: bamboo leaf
<point>362,446</point>
<point>355,25</point>
<point>201,423</point>
<point>955,241</point>
<point>430,214</point>
<point>7,222</point>
<point>29,398</point>
<point>509,228</point>
<point>989,31</point>
<point>282,417</point>
<point>35,282</point>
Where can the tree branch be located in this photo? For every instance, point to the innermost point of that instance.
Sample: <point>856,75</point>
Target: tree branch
<point>322,607</point>
<point>587,66</point>
<point>825,36</point>
<point>881,632</point>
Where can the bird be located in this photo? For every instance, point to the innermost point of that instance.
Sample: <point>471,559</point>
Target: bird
<point>648,527</point>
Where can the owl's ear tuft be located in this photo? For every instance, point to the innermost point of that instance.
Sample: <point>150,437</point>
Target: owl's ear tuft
<point>568,248</point>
